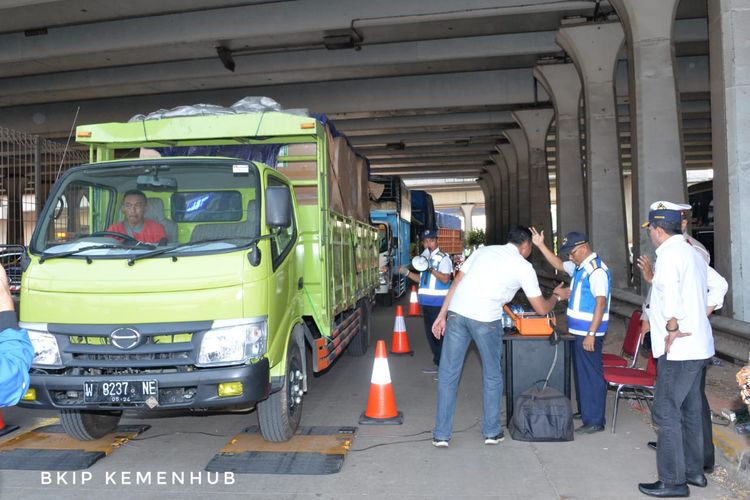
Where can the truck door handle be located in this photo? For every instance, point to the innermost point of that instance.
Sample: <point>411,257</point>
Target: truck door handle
<point>299,284</point>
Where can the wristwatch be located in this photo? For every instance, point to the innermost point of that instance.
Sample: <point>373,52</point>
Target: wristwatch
<point>590,334</point>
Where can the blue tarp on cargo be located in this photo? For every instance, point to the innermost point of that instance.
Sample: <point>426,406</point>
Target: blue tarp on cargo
<point>447,221</point>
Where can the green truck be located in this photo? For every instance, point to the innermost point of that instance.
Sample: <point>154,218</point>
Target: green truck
<point>254,263</point>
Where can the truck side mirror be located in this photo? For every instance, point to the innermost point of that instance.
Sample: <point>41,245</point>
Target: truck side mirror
<point>278,207</point>
<point>253,256</point>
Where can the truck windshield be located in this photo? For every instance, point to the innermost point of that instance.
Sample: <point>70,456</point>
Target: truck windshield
<point>149,208</point>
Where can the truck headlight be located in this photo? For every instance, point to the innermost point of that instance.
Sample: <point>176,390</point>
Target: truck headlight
<point>46,350</point>
<point>231,344</point>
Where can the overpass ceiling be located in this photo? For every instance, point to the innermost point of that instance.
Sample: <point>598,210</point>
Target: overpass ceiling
<point>424,89</point>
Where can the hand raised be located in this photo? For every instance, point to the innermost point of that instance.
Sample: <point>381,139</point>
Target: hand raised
<point>537,237</point>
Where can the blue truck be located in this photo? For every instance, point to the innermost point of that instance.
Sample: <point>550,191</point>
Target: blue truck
<point>422,213</point>
<point>391,215</point>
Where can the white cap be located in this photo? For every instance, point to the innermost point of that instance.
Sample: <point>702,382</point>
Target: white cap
<point>668,205</point>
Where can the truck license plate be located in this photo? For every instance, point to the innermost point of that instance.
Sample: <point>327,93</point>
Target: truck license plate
<point>125,391</point>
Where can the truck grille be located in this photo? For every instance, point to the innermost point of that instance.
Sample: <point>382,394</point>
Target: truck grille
<point>156,346</point>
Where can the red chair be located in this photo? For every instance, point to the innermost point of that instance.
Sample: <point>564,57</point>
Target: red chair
<point>630,345</point>
<point>640,383</point>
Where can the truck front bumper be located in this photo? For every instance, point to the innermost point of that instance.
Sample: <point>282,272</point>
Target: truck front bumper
<point>192,390</point>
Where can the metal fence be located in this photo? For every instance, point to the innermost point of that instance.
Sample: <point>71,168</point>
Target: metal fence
<point>29,166</point>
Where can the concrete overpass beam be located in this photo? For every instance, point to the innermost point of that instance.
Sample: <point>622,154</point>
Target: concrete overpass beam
<point>511,162</point>
<point>517,138</point>
<point>729,41</point>
<point>493,171</point>
<point>535,124</point>
<point>562,83</point>
<point>503,209</point>
<point>657,161</point>
<point>467,209</point>
<point>594,48</point>
<point>489,203</point>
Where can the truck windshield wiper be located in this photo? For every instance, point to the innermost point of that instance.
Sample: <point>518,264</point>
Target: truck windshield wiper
<point>162,251</point>
<point>46,256</point>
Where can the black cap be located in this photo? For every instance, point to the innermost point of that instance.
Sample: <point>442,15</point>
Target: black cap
<point>572,240</point>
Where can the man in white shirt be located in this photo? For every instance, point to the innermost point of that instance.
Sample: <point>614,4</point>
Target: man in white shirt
<point>717,288</point>
<point>472,310</point>
<point>682,343</point>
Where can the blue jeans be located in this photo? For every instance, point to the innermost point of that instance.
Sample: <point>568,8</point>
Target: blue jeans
<point>678,415</point>
<point>488,337</point>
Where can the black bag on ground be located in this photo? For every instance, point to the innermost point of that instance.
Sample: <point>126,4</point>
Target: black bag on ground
<point>542,414</point>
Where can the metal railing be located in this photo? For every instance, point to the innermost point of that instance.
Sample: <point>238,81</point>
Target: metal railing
<point>29,166</point>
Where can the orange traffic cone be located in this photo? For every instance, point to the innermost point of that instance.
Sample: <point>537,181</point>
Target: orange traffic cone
<point>413,302</point>
<point>400,341</point>
<point>381,405</point>
<point>5,429</point>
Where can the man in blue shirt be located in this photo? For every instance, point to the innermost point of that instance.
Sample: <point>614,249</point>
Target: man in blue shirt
<point>588,316</point>
<point>16,351</point>
<point>434,283</point>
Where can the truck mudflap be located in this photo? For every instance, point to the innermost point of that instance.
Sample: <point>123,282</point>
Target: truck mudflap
<point>190,390</point>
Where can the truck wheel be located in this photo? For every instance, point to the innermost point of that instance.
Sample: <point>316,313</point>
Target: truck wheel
<point>89,425</point>
<point>359,344</point>
<point>279,415</point>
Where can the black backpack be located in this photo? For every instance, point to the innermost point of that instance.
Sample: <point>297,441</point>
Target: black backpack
<point>542,414</point>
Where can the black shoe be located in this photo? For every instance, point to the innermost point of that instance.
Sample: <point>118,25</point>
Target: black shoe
<point>577,415</point>
<point>698,480</point>
<point>708,469</point>
<point>659,489</point>
<point>651,444</point>
<point>589,429</point>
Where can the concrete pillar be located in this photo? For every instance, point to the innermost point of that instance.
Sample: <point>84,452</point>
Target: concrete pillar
<point>503,207</point>
<point>535,124</point>
<point>467,209</point>
<point>729,45</point>
<point>594,48</point>
<point>563,85</point>
<point>521,149</point>
<point>655,137</point>
<point>485,182</point>
<point>509,154</point>
<point>495,178</point>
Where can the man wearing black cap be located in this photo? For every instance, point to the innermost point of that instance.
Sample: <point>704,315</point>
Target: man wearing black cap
<point>682,343</point>
<point>588,317</point>
<point>434,283</point>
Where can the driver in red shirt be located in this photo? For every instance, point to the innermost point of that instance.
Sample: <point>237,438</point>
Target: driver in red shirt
<point>135,224</point>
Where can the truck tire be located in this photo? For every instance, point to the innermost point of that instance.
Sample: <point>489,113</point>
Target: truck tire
<point>279,415</point>
<point>359,344</point>
<point>88,425</point>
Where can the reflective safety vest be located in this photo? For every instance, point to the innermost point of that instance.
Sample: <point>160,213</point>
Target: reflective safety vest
<point>582,302</point>
<point>431,291</point>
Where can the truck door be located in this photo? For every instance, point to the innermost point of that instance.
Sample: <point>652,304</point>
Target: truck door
<point>284,282</point>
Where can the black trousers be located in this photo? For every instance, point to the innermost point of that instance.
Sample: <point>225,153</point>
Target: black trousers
<point>429,315</point>
<point>709,458</point>
<point>678,415</point>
